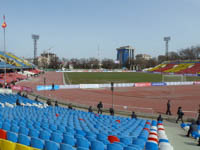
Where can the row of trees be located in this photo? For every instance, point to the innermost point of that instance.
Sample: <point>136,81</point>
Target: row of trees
<point>191,53</point>
<point>90,63</point>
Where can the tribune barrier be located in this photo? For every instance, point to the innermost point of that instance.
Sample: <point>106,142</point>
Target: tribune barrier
<point>21,88</point>
<point>143,84</point>
<point>69,86</point>
<point>158,84</point>
<point>180,83</point>
<point>196,82</point>
<point>96,86</point>
<point>47,87</point>
<point>89,86</point>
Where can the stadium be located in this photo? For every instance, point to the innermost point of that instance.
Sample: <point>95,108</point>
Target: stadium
<point>135,102</point>
<point>40,126</point>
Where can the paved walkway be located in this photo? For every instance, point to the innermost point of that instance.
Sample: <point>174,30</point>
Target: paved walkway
<point>178,139</point>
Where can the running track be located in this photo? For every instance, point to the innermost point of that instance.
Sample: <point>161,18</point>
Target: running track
<point>148,97</point>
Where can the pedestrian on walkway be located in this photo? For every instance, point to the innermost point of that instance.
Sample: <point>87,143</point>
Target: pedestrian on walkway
<point>99,107</point>
<point>112,112</point>
<point>90,109</point>
<point>53,87</point>
<point>159,118</point>
<point>56,103</point>
<point>168,112</point>
<point>133,115</point>
<point>180,114</point>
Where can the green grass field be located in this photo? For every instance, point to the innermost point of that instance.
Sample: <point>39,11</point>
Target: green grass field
<point>117,77</point>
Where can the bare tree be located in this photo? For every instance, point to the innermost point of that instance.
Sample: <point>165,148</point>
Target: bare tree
<point>108,63</point>
<point>173,56</point>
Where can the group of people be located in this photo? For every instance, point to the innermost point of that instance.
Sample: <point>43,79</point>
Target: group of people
<point>111,110</point>
<point>179,112</point>
<point>194,123</point>
<point>99,109</point>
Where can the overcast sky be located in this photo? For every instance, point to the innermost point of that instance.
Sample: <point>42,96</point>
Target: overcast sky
<point>75,28</point>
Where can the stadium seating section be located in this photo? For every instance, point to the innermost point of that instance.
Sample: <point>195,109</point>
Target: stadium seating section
<point>178,68</point>
<point>19,59</point>
<point>58,128</point>
<point>12,77</point>
<point>9,60</point>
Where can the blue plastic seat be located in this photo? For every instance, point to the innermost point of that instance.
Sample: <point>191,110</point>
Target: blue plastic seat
<point>44,135</point>
<point>52,127</point>
<point>23,139</point>
<point>90,138</point>
<point>80,132</point>
<point>22,124</point>
<point>6,126</point>
<point>56,137</point>
<point>23,130</point>
<point>121,144</point>
<point>126,140</point>
<point>37,143</point>
<point>151,146</point>
<point>14,128</point>
<point>139,142</point>
<point>14,122</point>
<point>103,138</point>
<point>61,128</point>
<point>131,148</point>
<point>50,145</point>
<point>68,134</point>
<point>68,129</point>
<point>81,142</point>
<point>33,133</point>
<point>90,134</point>
<point>69,140</point>
<point>82,148</point>
<point>96,145</point>
<point>136,146</point>
<point>66,147</point>
<point>11,136</point>
<point>114,147</point>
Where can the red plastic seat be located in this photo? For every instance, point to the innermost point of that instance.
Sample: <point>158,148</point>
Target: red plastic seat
<point>113,139</point>
<point>3,134</point>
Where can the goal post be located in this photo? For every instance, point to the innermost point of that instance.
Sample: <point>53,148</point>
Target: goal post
<point>173,78</point>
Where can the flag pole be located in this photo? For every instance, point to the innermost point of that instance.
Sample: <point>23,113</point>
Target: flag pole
<point>4,25</point>
<point>4,56</point>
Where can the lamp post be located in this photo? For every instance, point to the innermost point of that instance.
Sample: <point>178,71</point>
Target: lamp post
<point>167,39</point>
<point>35,39</point>
<point>112,89</point>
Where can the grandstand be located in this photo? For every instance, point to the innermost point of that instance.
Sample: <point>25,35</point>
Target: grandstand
<point>16,69</point>
<point>179,67</point>
<point>14,62</point>
<point>58,128</point>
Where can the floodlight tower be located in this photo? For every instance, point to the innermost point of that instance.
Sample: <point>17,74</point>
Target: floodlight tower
<point>167,39</point>
<point>35,38</point>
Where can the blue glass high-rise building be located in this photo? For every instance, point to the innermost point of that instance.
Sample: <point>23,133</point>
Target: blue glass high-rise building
<point>125,54</point>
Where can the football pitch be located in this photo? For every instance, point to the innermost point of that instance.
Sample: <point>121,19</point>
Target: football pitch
<point>116,77</point>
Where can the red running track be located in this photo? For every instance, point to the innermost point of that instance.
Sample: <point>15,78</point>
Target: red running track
<point>144,97</point>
